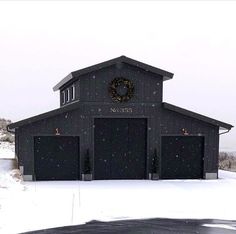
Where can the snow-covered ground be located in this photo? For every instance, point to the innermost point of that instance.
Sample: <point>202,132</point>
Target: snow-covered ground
<point>39,205</point>
<point>7,150</point>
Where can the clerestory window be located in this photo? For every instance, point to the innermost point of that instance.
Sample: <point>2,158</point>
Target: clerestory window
<point>63,97</point>
<point>73,92</point>
<point>67,95</point>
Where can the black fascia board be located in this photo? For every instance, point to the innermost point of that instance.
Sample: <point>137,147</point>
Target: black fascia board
<point>122,59</point>
<point>197,116</point>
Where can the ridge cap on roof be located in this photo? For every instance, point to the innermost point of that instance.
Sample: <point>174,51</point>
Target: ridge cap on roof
<point>149,68</point>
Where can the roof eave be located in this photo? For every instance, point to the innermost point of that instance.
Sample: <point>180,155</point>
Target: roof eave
<point>11,127</point>
<point>165,78</point>
<point>220,124</point>
<point>62,82</point>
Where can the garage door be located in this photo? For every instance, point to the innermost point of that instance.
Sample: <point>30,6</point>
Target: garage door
<point>56,157</point>
<point>182,157</point>
<point>120,148</point>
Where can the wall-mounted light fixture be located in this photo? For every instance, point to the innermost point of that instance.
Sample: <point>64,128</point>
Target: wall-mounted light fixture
<point>57,133</point>
<point>185,132</point>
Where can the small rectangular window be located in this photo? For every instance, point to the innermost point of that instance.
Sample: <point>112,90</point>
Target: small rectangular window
<point>73,92</point>
<point>63,97</point>
<point>67,95</point>
<point>78,90</point>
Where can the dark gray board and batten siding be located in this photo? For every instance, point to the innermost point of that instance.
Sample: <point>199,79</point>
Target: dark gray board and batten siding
<point>93,87</point>
<point>81,123</point>
<point>173,123</point>
<point>93,101</point>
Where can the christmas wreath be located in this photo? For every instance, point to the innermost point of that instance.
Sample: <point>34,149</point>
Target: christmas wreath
<point>114,92</point>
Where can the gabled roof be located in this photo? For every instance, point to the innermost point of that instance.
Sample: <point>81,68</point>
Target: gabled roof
<point>45,115</point>
<point>76,105</point>
<point>195,115</point>
<point>122,59</point>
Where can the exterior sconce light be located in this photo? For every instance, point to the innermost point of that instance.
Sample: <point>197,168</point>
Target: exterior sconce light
<point>57,133</point>
<point>185,132</point>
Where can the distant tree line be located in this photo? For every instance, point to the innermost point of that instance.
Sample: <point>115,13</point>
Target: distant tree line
<point>5,135</point>
<point>227,161</point>
<point>4,123</point>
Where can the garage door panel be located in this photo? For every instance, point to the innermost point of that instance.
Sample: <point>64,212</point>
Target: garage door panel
<point>182,157</point>
<point>56,158</point>
<point>137,132</point>
<point>102,146</point>
<point>119,150</point>
<point>123,155</point>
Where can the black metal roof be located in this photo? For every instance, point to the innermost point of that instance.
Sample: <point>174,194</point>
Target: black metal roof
<point>77,105</point>
<point>195,115</point>
<point>122,59</point>
<point>45,115</point>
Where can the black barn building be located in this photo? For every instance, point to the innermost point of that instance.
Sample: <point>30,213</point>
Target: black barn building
<point>113,124</point>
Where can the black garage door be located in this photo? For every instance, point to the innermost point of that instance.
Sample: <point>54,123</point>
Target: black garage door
<point>56,158</point>
<point>120,148</point>
<point>182,157</point>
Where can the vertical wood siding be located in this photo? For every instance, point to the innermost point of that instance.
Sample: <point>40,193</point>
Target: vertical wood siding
<point>94,102</point>
<point>173,123</point>
<point>94,86</point>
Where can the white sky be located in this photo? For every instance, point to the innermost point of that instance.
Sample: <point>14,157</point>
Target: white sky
<point>41,42</point>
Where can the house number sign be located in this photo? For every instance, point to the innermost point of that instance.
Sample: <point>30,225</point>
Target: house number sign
<point>121,110</point>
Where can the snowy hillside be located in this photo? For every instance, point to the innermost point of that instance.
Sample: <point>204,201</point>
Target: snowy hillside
<point>7,145</point>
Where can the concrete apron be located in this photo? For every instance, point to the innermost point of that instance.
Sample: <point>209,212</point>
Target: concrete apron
<point>7,164</point>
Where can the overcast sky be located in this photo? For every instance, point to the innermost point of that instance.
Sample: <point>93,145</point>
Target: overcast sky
<point>41,42</point>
